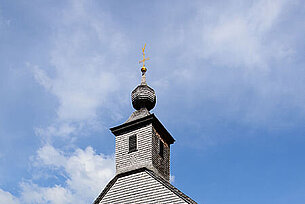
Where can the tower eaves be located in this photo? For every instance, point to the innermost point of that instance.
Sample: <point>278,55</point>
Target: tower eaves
<point>135,124</point>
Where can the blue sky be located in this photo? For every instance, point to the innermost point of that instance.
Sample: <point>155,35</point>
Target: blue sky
<point>229,78</point>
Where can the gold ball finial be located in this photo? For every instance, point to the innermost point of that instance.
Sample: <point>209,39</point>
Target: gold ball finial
<point>143,69</point>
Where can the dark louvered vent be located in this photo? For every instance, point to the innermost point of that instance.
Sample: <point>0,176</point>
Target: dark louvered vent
<point>132,143</point>
<point>161,148</point>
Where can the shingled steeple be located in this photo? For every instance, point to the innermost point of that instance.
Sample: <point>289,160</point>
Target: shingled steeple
<point>142,154</point>
<point>142,141</point>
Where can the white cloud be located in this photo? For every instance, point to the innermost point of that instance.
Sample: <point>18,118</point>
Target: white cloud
<point>231,34</point>
<point>49,156</point>
<point>7,198</point>
<point>235,57</point>
<point>83,71</point>
<point>86,174</point>
<point>238,34</point>
<point>62,130</point>
<point>32,193</point>
<point>82,74</point>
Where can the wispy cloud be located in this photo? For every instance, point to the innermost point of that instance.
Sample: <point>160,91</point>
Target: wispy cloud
<point>82,74</point>
<point>238,34</point>
<point>4,23</point>
<point>236,57</point>
<point>234,33</point>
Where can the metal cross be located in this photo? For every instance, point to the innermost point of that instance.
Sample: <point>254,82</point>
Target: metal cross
<point>144,59</point>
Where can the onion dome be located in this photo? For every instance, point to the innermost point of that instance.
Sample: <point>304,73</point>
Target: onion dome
<point>143,96</point>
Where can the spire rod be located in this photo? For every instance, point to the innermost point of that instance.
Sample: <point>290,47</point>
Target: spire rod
<point>143,68</point>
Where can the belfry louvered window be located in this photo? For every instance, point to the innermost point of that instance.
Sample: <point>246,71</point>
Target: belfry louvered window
<point>133,143</point>
<point>161,148</point>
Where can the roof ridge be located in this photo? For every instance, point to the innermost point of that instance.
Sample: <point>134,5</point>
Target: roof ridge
<point>170,187</point>
<point>152,174</point>
<point>112,182</point>
<point>105,190</point>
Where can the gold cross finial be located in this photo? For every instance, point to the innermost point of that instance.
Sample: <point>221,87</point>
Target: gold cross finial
<point>143,69</point>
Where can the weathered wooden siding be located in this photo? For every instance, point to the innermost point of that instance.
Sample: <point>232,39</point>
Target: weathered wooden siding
<point>140,188</point>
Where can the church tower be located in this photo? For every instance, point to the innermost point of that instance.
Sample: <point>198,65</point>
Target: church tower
<point>142,154</point>
<point>142,141</point>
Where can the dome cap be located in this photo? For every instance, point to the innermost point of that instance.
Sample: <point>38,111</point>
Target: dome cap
<point>143,97</point>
